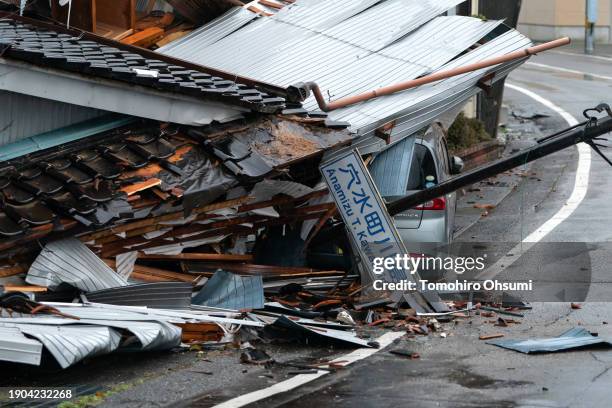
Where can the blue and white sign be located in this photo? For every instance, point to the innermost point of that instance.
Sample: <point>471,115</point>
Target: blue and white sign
<point>364,212</point>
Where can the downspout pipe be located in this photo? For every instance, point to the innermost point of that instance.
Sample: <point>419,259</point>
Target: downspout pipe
<point>302,91</point>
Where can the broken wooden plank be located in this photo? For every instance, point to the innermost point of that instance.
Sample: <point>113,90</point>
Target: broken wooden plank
<point>172,37</point>
<point>141,186</point>
<point>490,336</point>
<point>148,274</point>
<point>144,38</point>
<point>25,288</point>
<point>162,218</point>
<point>197,332</point>
<point>13,271</point>
<point>199,257</point>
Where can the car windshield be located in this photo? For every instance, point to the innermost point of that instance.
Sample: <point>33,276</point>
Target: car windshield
<point>422,169</point>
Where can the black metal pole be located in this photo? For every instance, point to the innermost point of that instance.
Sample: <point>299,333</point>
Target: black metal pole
<point>544,148</point>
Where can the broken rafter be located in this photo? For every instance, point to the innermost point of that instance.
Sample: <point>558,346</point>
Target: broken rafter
<point>162,218</point>
<point>266,271</point>
<point>148,274</point>
<point>199,257</point>
<point>141,186</point>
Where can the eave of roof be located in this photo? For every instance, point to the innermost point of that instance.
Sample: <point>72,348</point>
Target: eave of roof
<point>89,56</point>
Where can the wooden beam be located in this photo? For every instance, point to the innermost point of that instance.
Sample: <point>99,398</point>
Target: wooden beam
<point>199,257</point>
<point>144,38</point>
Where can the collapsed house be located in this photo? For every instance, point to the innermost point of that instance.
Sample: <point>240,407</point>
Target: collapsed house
<point>168,190</point>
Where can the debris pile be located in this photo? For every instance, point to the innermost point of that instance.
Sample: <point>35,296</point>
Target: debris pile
<point>171,198</point>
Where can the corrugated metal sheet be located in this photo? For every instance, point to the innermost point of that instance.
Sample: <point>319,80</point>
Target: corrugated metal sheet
<point>210,33</point>
<point>162,295</point>
<point>22,116</point>
<point>349,47</point>
<point>142,5</point>
<point>70,261</point>
<point>578,337</point>
<point>69,345</point>
<point>229,291</point>
<point>314,334</point>
<point>70,341</point>
<point>62,135</point>
<point>130,313</point>
<point>124,263</point>
<point>390,169</point>
<point>17,348</point>
<point>267,189</point>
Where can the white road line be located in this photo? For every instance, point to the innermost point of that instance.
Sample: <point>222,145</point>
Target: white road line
<point>571,71</point>
<point>302,379</point>
<point>581,186</point>
<point>573,54</point>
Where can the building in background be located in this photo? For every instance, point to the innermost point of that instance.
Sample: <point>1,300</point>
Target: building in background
<point>544,20</point>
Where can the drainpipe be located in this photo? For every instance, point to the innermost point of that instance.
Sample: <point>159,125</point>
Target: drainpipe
<point>302,91</point>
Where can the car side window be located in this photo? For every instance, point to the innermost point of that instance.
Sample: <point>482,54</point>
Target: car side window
<point>422,166</point>
<point>445,155</point>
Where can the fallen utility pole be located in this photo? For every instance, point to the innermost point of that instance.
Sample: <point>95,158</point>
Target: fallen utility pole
<point>587,132</point>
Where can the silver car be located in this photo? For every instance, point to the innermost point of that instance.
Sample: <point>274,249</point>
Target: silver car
<point>427,163</point>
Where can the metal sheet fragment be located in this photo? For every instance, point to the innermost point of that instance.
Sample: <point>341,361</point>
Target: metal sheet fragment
<point>229,291</point>
<point>577,337</point>
<point>70,261</point>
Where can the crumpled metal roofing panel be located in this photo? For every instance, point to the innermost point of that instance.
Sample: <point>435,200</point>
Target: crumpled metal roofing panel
<point>319,15</point>
<point>391,169</point>
<point>415,108</point>
<point>70,261</point>
<point>162,295</point>
<point>573,338</point>
<point>421,53</point>
<point>98,311</point>
<point>400,17</point>
<point>17,348</point>
<point>349,48</point>
<point>69,345</point>
<point>229,291</point>
<point>307,50</point>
